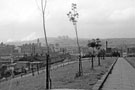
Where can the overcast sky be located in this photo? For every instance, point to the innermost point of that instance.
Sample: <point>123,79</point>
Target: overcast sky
<point>22,19</point>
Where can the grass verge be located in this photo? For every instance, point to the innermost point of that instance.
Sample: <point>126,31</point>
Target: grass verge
<point>131,60</point>
<point>64,77</point>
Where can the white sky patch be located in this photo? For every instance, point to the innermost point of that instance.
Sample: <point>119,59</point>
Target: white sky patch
<point>125,14</point>
<point>32,36</point>
<point>10,40</point>
<point>18,11</point>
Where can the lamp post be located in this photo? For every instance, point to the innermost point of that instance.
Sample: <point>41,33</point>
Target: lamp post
<point>73,15</point>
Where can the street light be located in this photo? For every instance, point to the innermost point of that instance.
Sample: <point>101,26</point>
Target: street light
<point>73,15</point>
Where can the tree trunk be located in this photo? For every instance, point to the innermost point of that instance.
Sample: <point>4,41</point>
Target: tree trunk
<point>99,61</point>
<point>47,72</point>
<point>92,62</point>
<point>79,50</point>
<point>37,68</point>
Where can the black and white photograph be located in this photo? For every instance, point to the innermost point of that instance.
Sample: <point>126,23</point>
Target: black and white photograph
<point>67,44</point>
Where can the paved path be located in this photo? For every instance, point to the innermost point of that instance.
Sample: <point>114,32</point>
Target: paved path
<point>122,77</point>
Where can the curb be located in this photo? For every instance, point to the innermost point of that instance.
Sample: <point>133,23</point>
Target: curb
<point>100,83</point>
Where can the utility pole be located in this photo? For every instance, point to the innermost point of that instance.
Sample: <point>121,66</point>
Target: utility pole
<point>73,15</point>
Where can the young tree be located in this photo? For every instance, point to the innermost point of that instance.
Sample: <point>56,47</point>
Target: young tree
<point>32,69</point>
<point>43,4</point>
<point>103,53</point>
<point>73,15</point>
<point>98,45</point>
<point>92,44</point>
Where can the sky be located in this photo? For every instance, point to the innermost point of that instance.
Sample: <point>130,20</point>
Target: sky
<point>21,20</point>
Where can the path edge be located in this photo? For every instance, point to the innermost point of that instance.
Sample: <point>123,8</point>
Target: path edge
<point>100,83</point>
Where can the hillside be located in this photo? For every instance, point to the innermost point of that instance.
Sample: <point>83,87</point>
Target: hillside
<point>64,42</point>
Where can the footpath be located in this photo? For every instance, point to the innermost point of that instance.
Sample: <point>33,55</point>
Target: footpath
<point>122,77</point>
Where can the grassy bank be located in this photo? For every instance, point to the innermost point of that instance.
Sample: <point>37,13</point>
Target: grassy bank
<point>131,60</point>
<point>63,77</point>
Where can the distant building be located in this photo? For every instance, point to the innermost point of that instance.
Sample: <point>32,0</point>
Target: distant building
<point>32,49</point>
<point>26,49</point>
<point>6,50</point>
<point>131,51</point>
<point>108,50</point>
